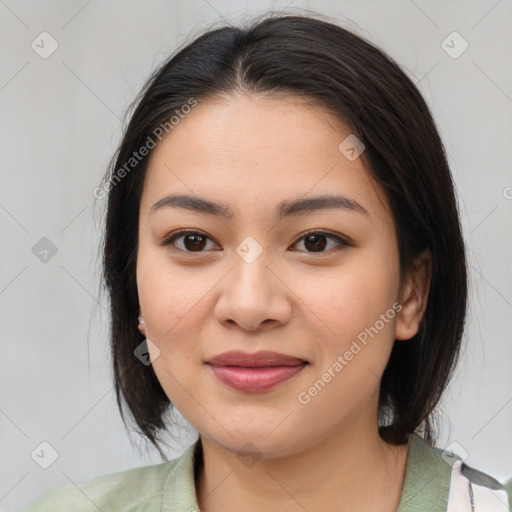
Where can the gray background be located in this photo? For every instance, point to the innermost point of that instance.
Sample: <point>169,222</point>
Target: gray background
<point>60,124</point>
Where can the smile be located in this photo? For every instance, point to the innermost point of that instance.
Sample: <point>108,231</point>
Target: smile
<point>255,379</point>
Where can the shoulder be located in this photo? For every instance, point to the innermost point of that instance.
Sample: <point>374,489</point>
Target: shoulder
<point>471,489</point>
<point>440,480</point>
<point>121,491</point>
<point>508,488</point>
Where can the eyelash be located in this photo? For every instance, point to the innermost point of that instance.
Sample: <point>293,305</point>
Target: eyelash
<point>181,233</point>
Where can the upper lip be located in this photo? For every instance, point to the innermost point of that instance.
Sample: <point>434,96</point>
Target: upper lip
<point>258,359</point>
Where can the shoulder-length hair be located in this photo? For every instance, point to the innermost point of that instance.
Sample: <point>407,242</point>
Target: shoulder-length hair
<point>361,85</point>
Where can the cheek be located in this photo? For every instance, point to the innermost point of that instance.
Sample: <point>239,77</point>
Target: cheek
<point>158,300</point>
<point>169,295</point>
<point>357,306</point>
<point>359,292</point>
<point>170,299</point>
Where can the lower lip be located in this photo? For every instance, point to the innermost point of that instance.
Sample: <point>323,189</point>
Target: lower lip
<point>254,379</point>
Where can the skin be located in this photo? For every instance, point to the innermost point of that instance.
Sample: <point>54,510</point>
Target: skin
<point>250,153</point>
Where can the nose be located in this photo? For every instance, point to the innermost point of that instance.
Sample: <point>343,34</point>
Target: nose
<point>253,297</point>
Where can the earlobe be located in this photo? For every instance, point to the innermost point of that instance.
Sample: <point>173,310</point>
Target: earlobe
<point>141,325</point>
<point>414,297</point>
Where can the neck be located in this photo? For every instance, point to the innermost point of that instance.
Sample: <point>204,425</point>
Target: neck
<point>331,475</point>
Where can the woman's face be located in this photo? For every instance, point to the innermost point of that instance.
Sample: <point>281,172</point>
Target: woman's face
<point>252,281</point>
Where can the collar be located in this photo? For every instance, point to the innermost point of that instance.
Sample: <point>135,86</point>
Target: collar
<point>426,482</point>
<point>427,477</point>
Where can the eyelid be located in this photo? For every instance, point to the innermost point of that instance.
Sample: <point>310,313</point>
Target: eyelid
<point>332,234</point>
<point>169,239</point>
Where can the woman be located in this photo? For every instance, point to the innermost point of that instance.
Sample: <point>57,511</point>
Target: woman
<point>282,222</point>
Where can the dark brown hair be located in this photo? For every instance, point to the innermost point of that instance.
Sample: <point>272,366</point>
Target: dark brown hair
<point>365,89</point>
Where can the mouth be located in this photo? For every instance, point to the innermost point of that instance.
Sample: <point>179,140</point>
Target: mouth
<point>255,372</point>
<point>263,358</point>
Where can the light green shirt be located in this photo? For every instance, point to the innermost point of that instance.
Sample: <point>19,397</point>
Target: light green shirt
<point>169,487</point>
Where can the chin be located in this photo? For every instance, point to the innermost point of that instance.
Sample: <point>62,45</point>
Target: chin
<point>257,443</point>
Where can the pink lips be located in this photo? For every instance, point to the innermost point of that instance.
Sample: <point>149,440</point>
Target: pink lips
<point>254,372</point>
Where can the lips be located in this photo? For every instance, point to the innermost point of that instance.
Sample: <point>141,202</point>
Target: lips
<point>256,360</point>
<point>256,372</point>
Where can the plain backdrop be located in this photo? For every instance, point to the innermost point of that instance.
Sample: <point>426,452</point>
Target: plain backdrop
<point>60,124</point>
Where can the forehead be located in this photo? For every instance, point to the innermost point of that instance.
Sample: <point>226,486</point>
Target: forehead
<point>245,149</point>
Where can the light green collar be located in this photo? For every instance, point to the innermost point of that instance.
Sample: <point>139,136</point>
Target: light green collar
<point>427,478</point>
<point>426,483</point>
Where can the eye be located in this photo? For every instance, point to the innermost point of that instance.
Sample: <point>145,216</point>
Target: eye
<point>196,241</point>
<point>193,241</point>
<point>316,240</point>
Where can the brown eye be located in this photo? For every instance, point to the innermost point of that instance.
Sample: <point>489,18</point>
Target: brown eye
<point>317,241</point>
<point>192,241</point>
<point>197,241</point>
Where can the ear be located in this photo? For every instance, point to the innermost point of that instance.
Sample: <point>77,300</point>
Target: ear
<point>414,296</point>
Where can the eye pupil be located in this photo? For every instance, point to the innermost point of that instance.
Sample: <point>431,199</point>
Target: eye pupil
<point>318,244</point>
<point>199,241</point>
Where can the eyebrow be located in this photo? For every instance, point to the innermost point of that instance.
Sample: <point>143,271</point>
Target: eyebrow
<point>283,209</point>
